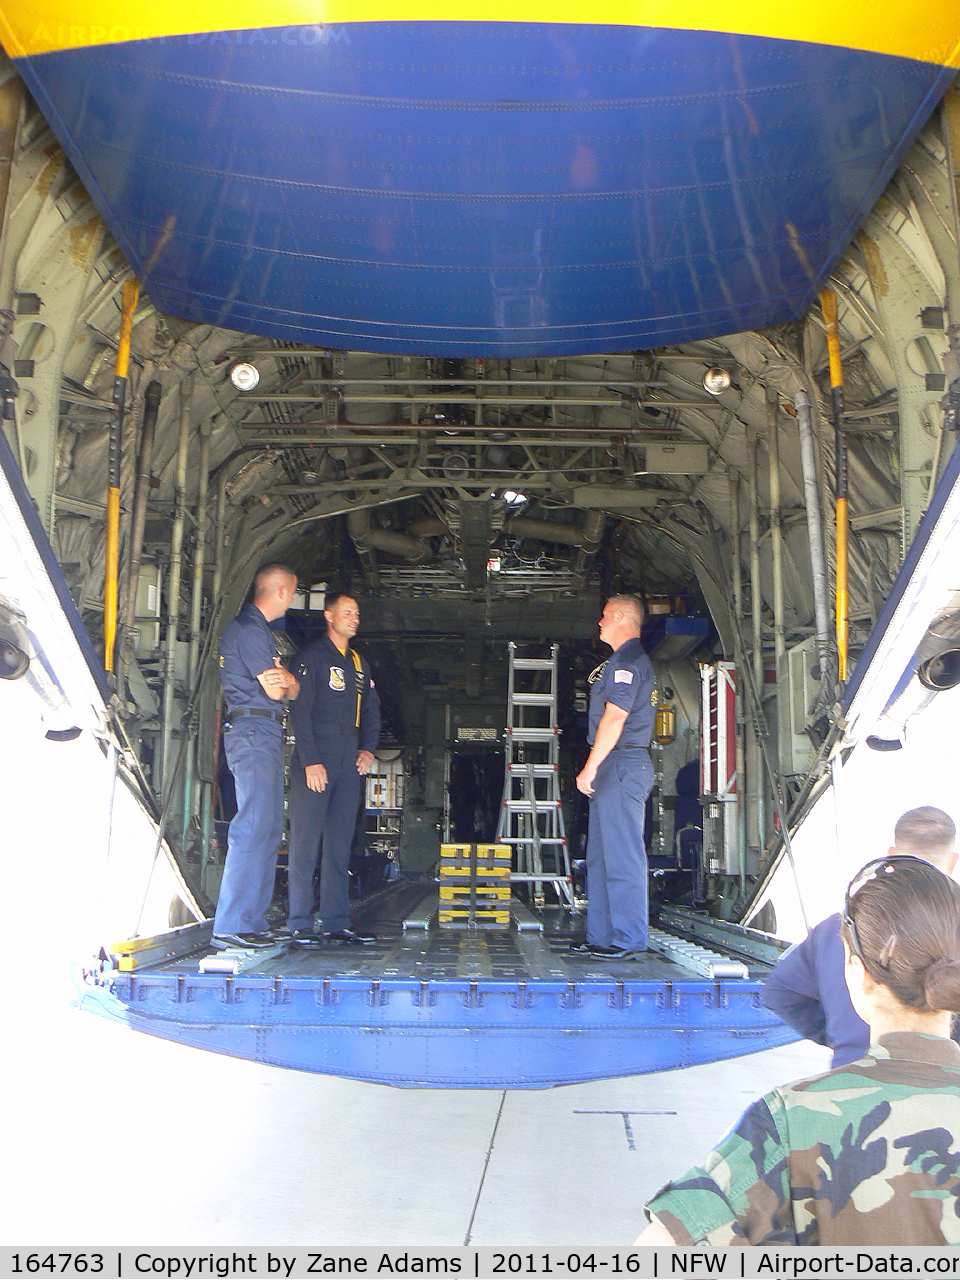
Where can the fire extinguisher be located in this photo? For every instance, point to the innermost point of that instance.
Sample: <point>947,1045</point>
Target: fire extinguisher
<point>665,723</point>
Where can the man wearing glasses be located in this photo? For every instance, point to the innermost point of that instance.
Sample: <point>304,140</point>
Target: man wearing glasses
<point>617,777</point>
<point>807,989</point>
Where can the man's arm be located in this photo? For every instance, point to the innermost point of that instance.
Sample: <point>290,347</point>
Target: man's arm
<point>608,735</point>
<point>369,727</point>
<point>792,992</point>
<point>279,683</point>
<point>301,711</point>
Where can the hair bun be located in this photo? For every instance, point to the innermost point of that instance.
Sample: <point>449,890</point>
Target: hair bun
<point>941,984</point>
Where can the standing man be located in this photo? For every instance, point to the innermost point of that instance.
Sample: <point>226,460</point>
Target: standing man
<point>254,684</point>
<point>617,777</point>
<point>337,724</point>
<point>807,989</point>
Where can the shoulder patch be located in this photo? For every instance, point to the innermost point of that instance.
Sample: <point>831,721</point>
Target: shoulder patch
<point>302,669</point>
<point>623,677</point>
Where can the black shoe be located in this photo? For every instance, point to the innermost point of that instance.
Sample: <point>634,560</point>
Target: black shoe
<point>243,941</point>
<point>304,938</point>
<point>614,953</point>
<point>587,949</point>
<point>349,935</point>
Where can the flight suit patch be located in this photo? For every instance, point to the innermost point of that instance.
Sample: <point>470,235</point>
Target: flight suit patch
<point>336,679</point>
<point>623,677</point>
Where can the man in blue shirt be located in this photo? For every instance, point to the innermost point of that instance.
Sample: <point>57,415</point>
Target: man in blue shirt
<point>807,989</point>
<point>254,685</point>
<point>337,725</point>
<point>617,777</point>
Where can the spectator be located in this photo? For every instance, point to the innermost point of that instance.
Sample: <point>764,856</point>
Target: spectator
<point>807,989</point>
<point>867,1153</point>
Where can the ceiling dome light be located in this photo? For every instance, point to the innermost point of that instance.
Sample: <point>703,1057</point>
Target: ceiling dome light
<point>245,377</point>
<point>716,381</point>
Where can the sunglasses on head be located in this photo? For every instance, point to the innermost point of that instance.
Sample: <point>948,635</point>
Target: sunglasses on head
<point>872,871</point>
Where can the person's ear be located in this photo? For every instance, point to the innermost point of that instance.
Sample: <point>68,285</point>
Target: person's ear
<point>951,862</point>
<point>858,978</point>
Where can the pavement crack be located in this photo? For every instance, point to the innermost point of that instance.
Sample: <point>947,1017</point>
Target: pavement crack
<point>486,1166</point>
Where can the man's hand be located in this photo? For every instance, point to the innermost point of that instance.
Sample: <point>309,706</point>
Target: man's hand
<point>277,682</point>
<point>316,776</point>
<point>364,762</point>
<point>585,779</point>
<point>608,735</point>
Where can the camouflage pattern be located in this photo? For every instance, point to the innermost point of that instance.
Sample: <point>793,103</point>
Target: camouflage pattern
<point>866,1154</point>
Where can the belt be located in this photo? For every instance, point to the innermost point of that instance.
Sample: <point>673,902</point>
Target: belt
<point>256,711</point>
<point>631,748</point>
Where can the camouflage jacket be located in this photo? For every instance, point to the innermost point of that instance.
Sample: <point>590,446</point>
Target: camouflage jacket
<point>866,1154</point>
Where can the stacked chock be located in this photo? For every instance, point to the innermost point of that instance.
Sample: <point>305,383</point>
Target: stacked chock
<point>474,886</point>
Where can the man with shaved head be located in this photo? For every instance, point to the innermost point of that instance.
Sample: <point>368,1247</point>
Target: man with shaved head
<point>255,683</point>
<point>807,989</point>
<point>617,777</point>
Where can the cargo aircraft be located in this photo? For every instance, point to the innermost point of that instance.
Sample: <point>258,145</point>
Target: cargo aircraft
<point>483,317</point>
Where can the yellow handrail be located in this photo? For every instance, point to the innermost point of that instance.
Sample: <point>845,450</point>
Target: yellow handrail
<point>131,292</point>
<point>828,304</point>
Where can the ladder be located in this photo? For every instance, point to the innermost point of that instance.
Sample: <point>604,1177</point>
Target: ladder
<point>531,818</point>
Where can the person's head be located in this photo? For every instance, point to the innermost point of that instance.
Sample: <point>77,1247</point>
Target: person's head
<point>621,620</point>
<point>927,833</point>
<point>273,589</point>
<point>901,933</point>
<point>343,617</point>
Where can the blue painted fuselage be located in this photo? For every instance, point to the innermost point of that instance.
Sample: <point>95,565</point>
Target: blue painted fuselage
<point>467,188</point>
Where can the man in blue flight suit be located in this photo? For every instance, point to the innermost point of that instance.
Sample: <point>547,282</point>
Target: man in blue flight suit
<point>617,777</point>
<point>337,725</point>
<point>254,684</point>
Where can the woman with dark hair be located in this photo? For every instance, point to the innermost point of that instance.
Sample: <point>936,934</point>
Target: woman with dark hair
<point>868,1153</point>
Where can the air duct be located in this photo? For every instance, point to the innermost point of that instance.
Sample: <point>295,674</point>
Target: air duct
<point>937,669</point>
<point>571,535</point>
<point>395,544</point>
<point>938,657</point>
<point>594,523</point>
<point>14,645</point>
<point>890,731</point>
<point>428,527</point>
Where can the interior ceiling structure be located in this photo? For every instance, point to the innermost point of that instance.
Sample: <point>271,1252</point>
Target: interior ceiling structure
<point>388,474</point>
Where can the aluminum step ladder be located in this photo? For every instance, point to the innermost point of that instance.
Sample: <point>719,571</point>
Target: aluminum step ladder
<point>531,817</point>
